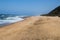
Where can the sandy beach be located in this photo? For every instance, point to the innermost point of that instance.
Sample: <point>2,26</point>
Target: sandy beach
<point>32,28</point>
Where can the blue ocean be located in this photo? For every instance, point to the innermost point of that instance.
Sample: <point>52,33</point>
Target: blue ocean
<point>6,19</point>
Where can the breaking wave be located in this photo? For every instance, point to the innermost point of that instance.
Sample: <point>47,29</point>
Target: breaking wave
<point>10,20</point>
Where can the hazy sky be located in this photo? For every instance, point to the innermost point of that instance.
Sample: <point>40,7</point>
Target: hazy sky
<point>28,6</point>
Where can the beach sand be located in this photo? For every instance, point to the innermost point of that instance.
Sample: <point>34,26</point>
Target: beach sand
<point>32,28</point>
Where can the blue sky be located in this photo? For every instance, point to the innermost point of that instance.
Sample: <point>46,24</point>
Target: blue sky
<point>24,7</point>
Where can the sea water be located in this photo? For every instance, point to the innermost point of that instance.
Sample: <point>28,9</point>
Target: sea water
<point>10,19</point>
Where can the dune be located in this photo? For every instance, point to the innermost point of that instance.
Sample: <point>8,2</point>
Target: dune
<point>32,28</point>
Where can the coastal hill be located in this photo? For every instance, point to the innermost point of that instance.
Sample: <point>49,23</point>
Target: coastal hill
<point>32,28</point>
<point>54,12</point>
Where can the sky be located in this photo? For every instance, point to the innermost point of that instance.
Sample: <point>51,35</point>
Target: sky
<point>27,7</point>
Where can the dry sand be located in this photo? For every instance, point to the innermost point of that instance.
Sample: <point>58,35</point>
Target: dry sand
<point>32,28</point>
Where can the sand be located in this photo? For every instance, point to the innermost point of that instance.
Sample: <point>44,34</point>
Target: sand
<point>32,28</point>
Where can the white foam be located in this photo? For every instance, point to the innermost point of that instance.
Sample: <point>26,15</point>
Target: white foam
<point>11,20</point>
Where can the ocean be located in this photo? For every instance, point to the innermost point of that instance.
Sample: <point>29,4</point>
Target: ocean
<point>6,19</point>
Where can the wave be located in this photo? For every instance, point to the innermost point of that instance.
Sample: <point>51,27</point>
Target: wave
<point>10,20</point>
